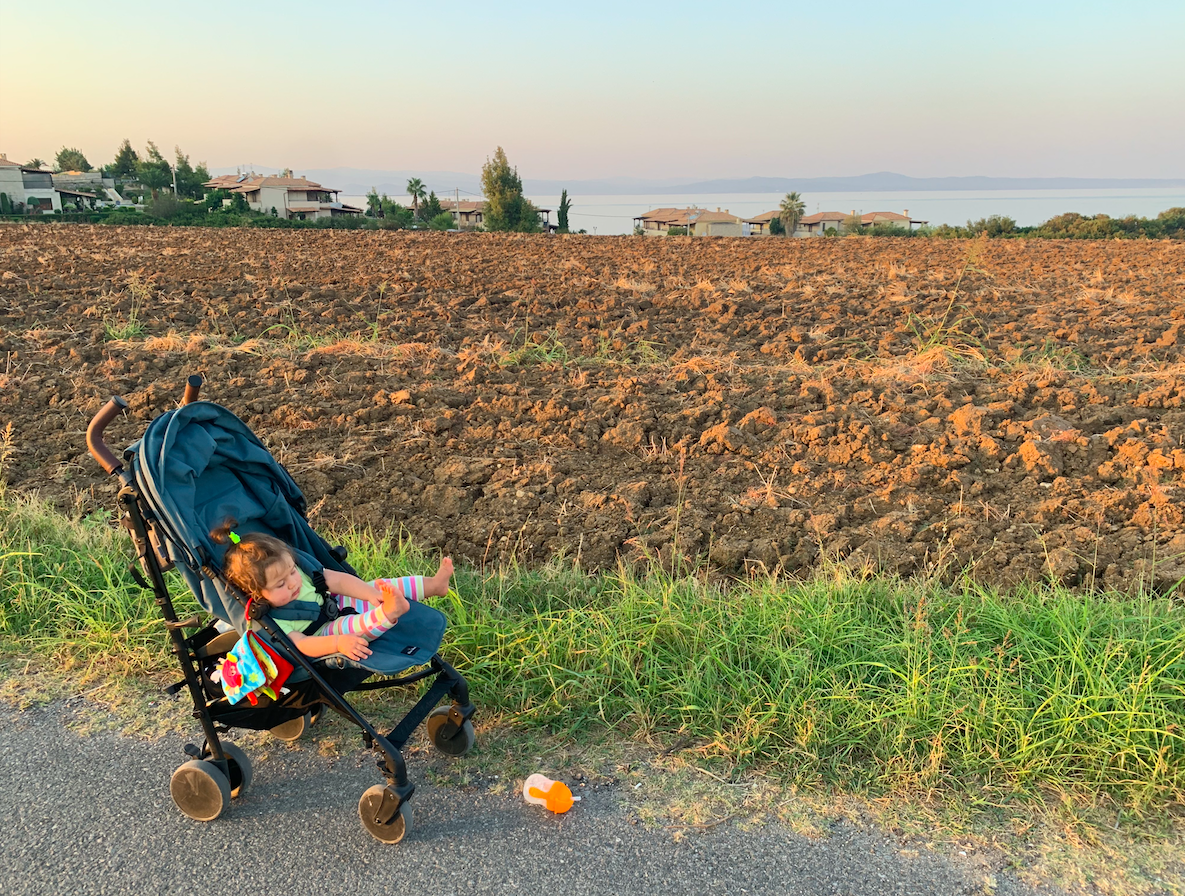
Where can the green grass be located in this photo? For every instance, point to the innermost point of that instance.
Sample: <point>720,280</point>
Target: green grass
<point>118,327</point>
<point>871,683</point>
<point>547,348</point>
<point>534,348</point>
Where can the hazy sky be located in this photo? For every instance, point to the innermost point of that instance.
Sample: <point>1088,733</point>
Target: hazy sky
<point>585,90</point>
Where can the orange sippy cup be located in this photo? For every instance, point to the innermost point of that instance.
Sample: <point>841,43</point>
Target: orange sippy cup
<point>542,791</point>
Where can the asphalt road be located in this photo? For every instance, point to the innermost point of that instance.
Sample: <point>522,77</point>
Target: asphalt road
<point>92,815</point>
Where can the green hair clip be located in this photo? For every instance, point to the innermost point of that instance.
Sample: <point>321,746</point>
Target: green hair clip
<point>234,538</point>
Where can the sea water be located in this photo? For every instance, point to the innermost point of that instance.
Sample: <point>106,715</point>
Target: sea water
<point>616,214</point>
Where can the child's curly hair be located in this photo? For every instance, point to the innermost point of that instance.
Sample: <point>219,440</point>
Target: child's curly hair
<point>246,563</point>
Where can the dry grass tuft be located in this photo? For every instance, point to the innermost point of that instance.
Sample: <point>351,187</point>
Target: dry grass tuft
<point>634,285</point>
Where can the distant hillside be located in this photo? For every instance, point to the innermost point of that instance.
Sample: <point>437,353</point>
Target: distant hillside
<point>887,181</point>
<point>358,181</point>
<point>881,182</point>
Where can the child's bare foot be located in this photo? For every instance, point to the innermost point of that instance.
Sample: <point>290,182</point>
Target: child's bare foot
<point>437,585</point>
<point>394,603</point>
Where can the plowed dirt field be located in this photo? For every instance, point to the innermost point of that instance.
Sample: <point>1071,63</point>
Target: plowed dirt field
<point>1011,409</point>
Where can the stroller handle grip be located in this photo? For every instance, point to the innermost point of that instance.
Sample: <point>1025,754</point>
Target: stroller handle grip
<point>94,435</point>
<point>193,385</point>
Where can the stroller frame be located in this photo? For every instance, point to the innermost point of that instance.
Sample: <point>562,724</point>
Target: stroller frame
<point>217,772</point>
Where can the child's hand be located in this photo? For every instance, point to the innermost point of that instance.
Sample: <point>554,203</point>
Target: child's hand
<point>355,647</point>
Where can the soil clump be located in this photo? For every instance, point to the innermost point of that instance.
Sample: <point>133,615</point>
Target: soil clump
<point>1013,410</point>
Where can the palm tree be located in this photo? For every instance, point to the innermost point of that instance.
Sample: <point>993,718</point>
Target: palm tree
<point>792,209</point>
<point>34,163</point>
<point>415,189</point>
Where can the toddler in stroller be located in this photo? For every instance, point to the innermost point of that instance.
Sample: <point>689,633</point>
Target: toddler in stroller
<point>197,467</point>
<point>265,569</point>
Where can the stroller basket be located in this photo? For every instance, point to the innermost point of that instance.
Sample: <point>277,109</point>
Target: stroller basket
<point>192,468</point>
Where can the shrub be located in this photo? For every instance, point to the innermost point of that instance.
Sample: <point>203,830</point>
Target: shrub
<point>993,225</point>
<point>884,228</point>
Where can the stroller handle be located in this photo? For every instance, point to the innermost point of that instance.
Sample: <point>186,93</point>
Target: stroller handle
<point>94,435</point>
<point>193,385</point>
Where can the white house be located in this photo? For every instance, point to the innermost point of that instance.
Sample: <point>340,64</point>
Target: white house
<point>288,197</point>
<point>31,187</point>
<point>82,184</point>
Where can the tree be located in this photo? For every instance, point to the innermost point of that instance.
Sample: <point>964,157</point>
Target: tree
<point>189,179</point>
<point>506,208</point>
<point>125,160</point>
<point>394,215</point>
<point>153,171</point>
<point>443,221</point>
<point>415,189</point>
<point>34,163</point>
<point>70,159</point>
<point>792,208</point>
<point>776,227</point>
<point>431,208</point>
<point>215,198</point>
<point>853,224</point>
<point>562,214</point>
<point>374,205</point>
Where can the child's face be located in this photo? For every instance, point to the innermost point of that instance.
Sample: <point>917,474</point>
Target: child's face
<point>283,582</point>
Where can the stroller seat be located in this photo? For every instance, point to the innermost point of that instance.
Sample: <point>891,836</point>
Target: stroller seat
<point>193,468</point>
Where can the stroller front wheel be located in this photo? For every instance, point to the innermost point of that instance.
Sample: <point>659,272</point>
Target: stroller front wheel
<point>200,790</point>
<point>389,832</point>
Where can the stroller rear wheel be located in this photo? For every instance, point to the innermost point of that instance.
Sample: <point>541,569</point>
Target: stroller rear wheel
<point>239,766</point>
<point>292,729</point>
<point>446,736</point>
<point>200,790</point>
<point>390,832</point>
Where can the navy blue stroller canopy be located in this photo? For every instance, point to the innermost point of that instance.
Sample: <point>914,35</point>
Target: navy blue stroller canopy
<point>199,465</point>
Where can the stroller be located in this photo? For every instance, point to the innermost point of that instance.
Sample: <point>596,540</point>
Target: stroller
<point>193,467</point>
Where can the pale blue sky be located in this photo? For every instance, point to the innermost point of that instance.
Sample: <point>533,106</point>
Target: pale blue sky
<point>639,89</point>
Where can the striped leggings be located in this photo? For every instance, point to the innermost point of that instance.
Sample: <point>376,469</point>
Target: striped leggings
<point>369,620</point>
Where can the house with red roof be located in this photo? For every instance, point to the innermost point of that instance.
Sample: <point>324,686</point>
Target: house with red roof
<point>697,221</point>
<point>819,223</point>
<point>902,220</point>
<point>285,196</point>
